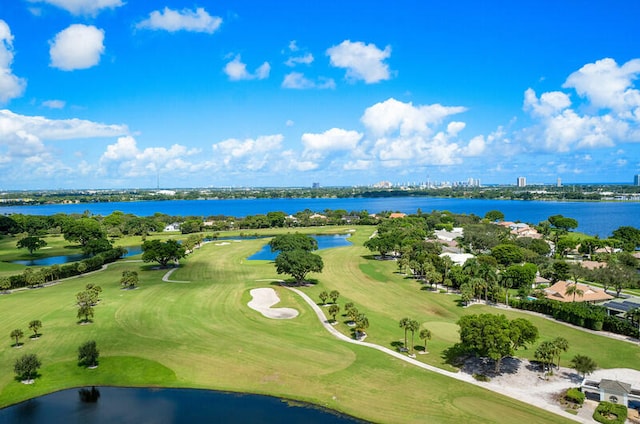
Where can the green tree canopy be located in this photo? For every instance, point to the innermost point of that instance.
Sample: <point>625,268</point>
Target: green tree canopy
<point>83,230</point>
<point>629,236</point>
<point>298,263</point>
<point>494,336</point>
<point>162,252</point>
<point>563,223</point>
<point>296,241</point>
<point>494,215</point>
<point>507,254</point>
<point>26,366</point>
<point>129,279</point>
<point>31,243</point>
<point>88,354</point>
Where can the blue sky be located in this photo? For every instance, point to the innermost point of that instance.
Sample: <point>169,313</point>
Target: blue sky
<point>116,93</point>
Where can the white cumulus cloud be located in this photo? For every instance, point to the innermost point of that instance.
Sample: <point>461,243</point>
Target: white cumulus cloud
<point>198,20</point>
<point>82,7</point>
<point>362,61</point>
<point>392,115</point>
<point>11,86</point>
<point>126,159</point>
<point>77,47</point>
<point>333,139</point>
<point>607,85</point>
<point>250,154</point>
<point>236,70</point>
<point>548,104</point>
<point>607,111</point>
<point>12,125</point>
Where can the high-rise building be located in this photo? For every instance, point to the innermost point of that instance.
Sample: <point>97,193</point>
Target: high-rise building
<point>559,182</point>
<point>636,180</point>
<point>521,182</point>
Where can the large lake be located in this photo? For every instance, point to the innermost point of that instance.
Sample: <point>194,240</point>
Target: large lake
<point>108,405</point>
<point>596,218</point>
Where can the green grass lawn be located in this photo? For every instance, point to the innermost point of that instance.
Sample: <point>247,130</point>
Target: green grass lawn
<point>202,334</point>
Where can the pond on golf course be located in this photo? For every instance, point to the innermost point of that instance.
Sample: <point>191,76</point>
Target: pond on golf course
<point>324,242</point>
<point>106,405</point>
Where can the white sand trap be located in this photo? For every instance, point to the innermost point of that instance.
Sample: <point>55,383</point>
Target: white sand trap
<point>264,299</point>
<point>224,243</point>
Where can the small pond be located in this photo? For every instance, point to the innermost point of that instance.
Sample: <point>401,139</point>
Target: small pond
<point>324,242</point>
<point>63,259</point>
<point>107,405</point>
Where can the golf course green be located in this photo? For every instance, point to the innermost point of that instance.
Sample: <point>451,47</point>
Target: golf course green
<point>200,333</point>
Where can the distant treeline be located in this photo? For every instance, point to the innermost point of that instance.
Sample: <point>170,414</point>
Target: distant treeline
<point>570,192</point>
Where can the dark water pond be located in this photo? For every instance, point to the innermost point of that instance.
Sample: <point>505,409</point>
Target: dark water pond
<point>63,259</point>
<point>107,405</point>
<point>324,242</point>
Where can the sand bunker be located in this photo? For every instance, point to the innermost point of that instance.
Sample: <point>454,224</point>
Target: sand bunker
<point>264,299</point>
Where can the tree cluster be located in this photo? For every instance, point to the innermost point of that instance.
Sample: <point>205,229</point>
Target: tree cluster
<point>495,336</point>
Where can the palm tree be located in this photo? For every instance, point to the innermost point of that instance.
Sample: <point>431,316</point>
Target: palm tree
<point>17,334</point>
<point>404,324</point>
<point>562,345</point>
<point>583,364</point>
<point>425,334</point>
<point>362,323</point>
<point>447,263</point>
<point>507,282</point>
<point>413,326</point>
<point>34,326</point>
<point>574,290</point>
<point>545,353</point>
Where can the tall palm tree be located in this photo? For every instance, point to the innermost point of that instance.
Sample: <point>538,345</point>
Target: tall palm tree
<point>404,324</point>
<point>574,290</point>
<point>413,327</point>
<point>561,345</point>
<point>425,334</point>
<point>362,323</point>
<point>545,354</point>
<point>583,364</point>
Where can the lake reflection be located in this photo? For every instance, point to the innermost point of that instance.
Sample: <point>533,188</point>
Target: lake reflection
<point>324,242</point>
<point>172,406</point>
<point>64,259</point>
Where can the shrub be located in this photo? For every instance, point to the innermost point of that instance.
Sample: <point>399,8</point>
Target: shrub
<point>610,413</point>
<point>481,377</point>
<point>574,395</point>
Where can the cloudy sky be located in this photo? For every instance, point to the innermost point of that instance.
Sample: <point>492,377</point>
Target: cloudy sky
<point>121,93</point>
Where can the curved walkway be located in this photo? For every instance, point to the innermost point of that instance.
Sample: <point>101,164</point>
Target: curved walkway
<point>166,276</point>
<point>538,401</point>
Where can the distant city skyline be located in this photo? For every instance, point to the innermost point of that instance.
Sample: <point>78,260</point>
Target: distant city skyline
<point>111,94</point>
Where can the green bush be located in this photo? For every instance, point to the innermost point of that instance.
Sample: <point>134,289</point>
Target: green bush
<point>481,377</point>
<point>610,413</point>
<point>574,395</point>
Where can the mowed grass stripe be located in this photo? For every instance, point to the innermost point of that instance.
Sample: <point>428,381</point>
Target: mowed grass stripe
<point>204,333</point>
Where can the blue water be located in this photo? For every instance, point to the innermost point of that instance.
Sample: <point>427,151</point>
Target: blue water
<point>324,242</point>
<point>596,218</point>
<point>108,405</point>
<point>63,259</point>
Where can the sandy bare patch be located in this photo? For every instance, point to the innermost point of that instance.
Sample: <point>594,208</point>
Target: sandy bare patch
<point>224,243</point>
<point>264,299</point>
